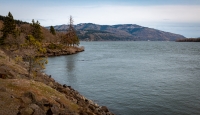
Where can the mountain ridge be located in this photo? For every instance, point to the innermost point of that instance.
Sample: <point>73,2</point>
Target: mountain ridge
<point>119,32</point>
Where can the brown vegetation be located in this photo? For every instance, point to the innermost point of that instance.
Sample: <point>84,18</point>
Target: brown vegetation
<point>39,95</point>
<point>24,90</point>
<point>32,43</point>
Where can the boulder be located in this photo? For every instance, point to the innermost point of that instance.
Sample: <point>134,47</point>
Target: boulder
<point>37,110</point>
<point>104,108</point>
<point>31,96</point>
<point>55,109</point>
<point>26,111</point>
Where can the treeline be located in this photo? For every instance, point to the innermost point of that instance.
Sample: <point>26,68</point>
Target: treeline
<point>189,40</point>
<point>15,28</point>
<point>18,22</point>
<point>23,42</point>
<point>28,41</point>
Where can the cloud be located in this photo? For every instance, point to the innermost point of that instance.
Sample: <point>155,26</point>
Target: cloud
<point>164,17</point>
<point>125,14</point>
<point>106,14</point>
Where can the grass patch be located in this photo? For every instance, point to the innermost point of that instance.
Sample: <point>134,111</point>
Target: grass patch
<point>41,91</point>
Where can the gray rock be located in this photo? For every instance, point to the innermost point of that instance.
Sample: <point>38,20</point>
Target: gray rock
<point>104,108</point>
<point>55,109</point>
<point>37,109</point>
<point>92,107</point>
<point>31,96</point>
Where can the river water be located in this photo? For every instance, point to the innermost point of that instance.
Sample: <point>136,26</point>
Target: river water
<point>134,78</point>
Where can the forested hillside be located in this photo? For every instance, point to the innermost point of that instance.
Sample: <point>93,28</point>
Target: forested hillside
<point>31,42</point>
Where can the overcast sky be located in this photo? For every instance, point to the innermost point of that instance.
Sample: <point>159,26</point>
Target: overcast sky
<point>176,16</point>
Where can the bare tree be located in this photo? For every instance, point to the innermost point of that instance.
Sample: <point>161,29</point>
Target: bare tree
<point>71,37</point>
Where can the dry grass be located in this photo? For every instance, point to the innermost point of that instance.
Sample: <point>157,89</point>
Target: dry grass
<point>20,86</point>
<point>10,63</point>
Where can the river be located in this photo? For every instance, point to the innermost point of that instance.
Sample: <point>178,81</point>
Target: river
<point>134,78</point>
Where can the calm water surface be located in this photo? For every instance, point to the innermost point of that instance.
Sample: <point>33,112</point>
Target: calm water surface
<point>134,78</point>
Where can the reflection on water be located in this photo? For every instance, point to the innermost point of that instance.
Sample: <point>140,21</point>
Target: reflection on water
<point>70,66</point>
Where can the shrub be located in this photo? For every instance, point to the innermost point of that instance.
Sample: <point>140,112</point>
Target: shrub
<point>54,46</point>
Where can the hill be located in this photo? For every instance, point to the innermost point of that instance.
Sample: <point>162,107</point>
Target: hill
<point>121,32</point>
<point>24,89</point>
<point>39,95</point>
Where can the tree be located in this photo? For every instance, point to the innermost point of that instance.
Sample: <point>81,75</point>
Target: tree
<point>33,48</point>
<point>36,30</point>
<point>52,30</point>
<point>13,43</point>
<point>8,28</point>
<point>71,37</point>
<point>11,39</point>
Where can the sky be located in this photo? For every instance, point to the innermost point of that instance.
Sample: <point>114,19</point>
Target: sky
<point>175,16</point>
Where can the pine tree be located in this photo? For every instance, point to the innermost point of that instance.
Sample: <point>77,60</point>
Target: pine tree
<point>71,37</point>
<point>52,30</point>
<point>36,30</point>
<point>8,28</point>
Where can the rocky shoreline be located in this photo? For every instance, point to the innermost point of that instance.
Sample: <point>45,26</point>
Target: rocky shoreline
<point>64,51</point>
<point>40,95</point>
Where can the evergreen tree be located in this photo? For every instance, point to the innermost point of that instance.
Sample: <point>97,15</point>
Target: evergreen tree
<point>52,30</point>
<point>36,30</point>
<point>2,18</point>
<point>71,37</point>
<point>8,28</point>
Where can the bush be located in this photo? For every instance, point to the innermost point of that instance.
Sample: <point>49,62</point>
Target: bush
<point>54,46</point>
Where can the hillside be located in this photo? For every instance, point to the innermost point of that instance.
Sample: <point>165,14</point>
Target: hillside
<point>50,42</point>
<point>122,32</point>
<point>24,88</point>
<point>39,95</point>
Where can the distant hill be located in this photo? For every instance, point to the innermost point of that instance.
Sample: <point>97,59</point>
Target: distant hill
<point>122,32</point>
